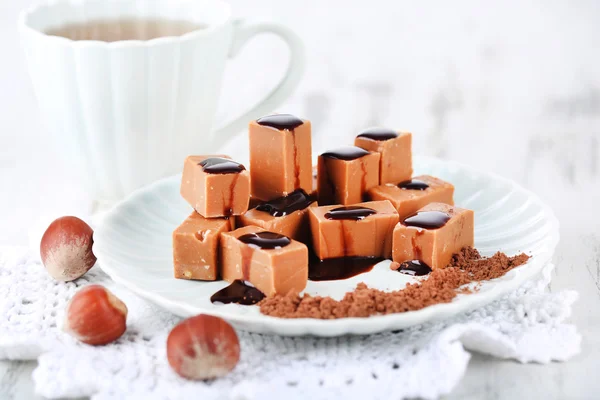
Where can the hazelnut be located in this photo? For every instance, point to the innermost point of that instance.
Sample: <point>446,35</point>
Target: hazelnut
<point>203,347</point>
<point>95,316</point>
<point>66,249</point>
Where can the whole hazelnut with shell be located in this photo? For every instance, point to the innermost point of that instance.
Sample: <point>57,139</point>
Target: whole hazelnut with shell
<point>95,316</point>
<point>203,347</point>
<point>66,249</point>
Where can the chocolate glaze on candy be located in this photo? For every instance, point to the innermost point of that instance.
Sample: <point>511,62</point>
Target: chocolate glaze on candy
<point>414,268</point>
<point>427,219</point>
<point>228,210</point>
<point>218,165</point>
<point>282,206</point>
<point>379,134</point>
<point>346,153</point>
<point>413,184</point>
<point>354,213</point>
<point>340,268</point>
<point>239,292</point>
<point>280,121</point>
<point>265,240</point>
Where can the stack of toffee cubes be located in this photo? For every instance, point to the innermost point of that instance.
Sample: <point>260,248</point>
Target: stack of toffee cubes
<point>364,203</point>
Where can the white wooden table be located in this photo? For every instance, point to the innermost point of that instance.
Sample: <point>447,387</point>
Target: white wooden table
<point>514,89</point>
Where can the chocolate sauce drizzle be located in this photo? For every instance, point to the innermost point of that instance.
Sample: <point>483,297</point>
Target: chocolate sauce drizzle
<point>265,240</point>
<point>379,134</point>
<point>228,208</point>
<point>363,178</point>
<point>340,268</point>
<point>346,153</point>
<point>414,268</point>
<point>413,184</point>
<point>218,165</point>
<point>354,213</point>
<point>280,121</point>
<point>296,162</point>
<point>239,292</point>
<point>282,206</point>
<point>417,251</point>
<point>427,219</point>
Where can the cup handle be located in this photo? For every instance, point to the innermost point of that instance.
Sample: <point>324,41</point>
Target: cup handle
<point>242,33</point>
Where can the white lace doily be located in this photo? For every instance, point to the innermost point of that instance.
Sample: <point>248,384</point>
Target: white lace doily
<point>425,361</point>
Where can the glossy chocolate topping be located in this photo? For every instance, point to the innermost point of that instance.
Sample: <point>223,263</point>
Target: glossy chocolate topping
<point>282,206</point>
<point>414,268</point>
<point>413,184</point>
<point>265,240</point>
<point>427,219</point>
<point>340,268</point>
<point>346,153</point>
<point>350,212</point>
<point>239,292</point>
<point>218,165</point>
<point>280,121</point>
<point>379,134</point>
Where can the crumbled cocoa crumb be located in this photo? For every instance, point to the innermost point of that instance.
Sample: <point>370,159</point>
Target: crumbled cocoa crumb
<point>441,286</point>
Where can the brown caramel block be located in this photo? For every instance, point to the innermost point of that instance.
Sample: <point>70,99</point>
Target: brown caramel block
<point>434,246</point>
<point>294,225</point>
<point>196,247</point>
<point>367,237</point>
<point>272,271</point>
<point>280,160</point>
<point>342,181</point>
<point>214,194</point>
<point>409,201</point>
<point>396,156</point>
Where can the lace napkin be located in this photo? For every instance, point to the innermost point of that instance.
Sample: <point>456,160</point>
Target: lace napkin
<point>425,361</point>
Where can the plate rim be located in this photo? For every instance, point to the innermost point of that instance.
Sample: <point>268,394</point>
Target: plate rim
<point>336,327</point>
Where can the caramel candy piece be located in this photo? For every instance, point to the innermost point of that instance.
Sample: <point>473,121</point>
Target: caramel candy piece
<point>280,156</point>
<point>410,196</point>
<point>433,235</point>
<point>215,186</point>
<point>345,174</point>
<point>363,230</point>
<point>273,263</point>
<point>395,149</point>
<point>286,215</point>
<point>195,247</point>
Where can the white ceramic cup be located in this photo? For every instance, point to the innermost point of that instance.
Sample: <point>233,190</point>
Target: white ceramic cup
<point>126,113</point>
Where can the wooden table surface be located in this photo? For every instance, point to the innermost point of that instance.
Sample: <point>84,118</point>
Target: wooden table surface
<point>513,89</point>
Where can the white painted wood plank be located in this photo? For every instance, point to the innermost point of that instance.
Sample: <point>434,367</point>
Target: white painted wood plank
<point>15,380</point>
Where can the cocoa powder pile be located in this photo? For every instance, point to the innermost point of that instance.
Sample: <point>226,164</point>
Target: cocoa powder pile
<point>441,286</point>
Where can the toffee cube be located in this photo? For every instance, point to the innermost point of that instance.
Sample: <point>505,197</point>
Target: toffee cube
<point>280,156</point>
<point>395,149</point>
<point>287,215</point>
<point>411,195</point>
<point>273,263</point>
<point>346,174</point>
<point>215,186</point>
<point>196,247</point>
<point>433,235</point>
<point>363,230</point>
